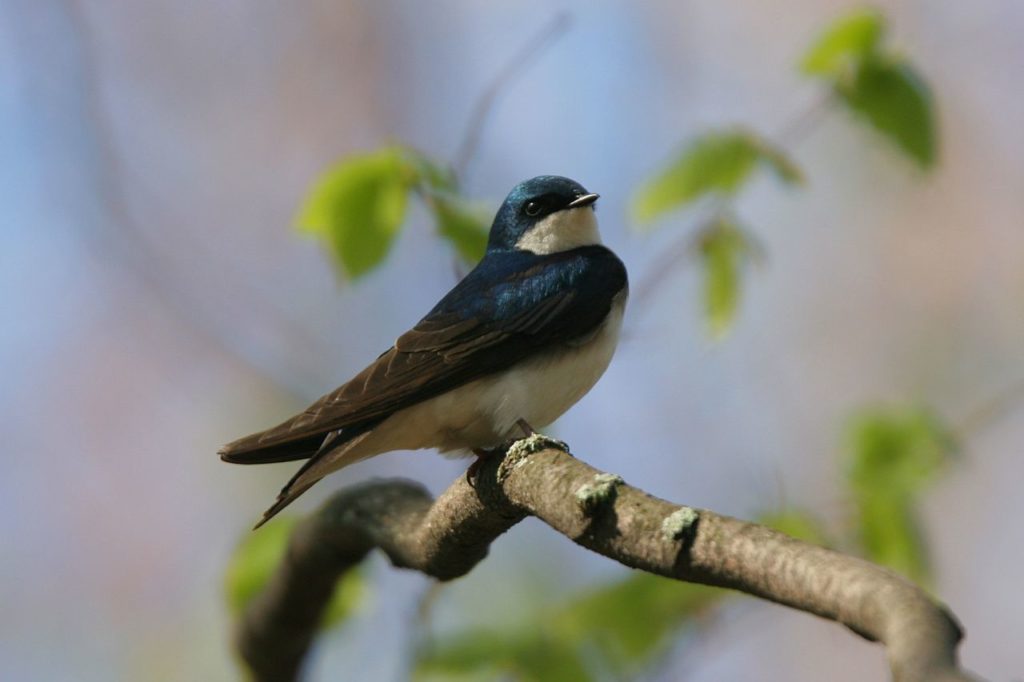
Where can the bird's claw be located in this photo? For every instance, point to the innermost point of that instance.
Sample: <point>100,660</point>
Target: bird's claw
<point>481,455</point>
<point>516,447</point>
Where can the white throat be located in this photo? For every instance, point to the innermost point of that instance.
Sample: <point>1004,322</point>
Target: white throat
<point>563,230</point>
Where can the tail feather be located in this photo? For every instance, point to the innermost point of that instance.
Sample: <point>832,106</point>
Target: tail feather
<point>284,498</point>
<point>337,451</point>
<point>248,450</point>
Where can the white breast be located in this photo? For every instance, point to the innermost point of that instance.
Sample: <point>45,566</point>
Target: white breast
<point>538,390</point>
<point>484,413</point>
<point>561,231</point>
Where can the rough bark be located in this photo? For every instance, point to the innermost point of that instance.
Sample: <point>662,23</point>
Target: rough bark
<point>447,537</point>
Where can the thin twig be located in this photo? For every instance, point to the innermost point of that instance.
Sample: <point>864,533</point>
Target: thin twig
<point>790,134</point>
<point>798,128</point>
<point>670,256</point>
<point>990,410</point>
<point>513,68</point>
<point>664,264</point>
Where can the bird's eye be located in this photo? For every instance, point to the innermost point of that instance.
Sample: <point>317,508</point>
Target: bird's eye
<point>533,208</point>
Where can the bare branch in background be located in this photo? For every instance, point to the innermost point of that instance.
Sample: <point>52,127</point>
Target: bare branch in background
<point>789,134</point>
<point>515,66</point>
<point>445,538</point>
<point>127,241</point>
<point>798,128</point>
<point>666,263</point>
<point>990,410</point>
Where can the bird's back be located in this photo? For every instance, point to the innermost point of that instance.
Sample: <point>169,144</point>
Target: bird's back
<point>525,302</point>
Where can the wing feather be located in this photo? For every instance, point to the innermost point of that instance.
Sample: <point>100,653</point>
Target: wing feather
<point>451,347</point>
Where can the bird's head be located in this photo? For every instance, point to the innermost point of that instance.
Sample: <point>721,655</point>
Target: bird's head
<point>545,214</point>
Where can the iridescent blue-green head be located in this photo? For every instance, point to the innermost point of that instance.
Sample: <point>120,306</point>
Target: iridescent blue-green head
<point>545,214</point>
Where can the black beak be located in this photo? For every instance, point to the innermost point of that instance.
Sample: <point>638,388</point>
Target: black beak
<point>585,200</point>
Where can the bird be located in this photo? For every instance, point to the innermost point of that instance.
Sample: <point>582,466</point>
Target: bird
<point>514,344</point>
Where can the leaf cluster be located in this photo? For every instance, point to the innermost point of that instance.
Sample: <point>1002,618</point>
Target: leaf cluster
<point>256,558</point>
<point>610,632</point>
<point>876,83</point>
<point>358,208</point>
<point>863,75</point>
<point>894,454</point>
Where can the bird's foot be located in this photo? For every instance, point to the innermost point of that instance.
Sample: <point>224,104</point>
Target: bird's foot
<point>525,426</point>
<point>519,452</point>
<point>535,440</point>
<point>532,442</point>
<point>481,455</point>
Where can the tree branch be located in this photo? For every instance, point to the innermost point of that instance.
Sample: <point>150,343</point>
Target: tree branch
<point>446,538</point>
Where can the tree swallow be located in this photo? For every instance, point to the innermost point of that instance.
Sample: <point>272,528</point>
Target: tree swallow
<point>513,345</point>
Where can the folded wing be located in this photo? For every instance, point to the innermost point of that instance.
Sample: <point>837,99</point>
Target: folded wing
<point>500,314</point>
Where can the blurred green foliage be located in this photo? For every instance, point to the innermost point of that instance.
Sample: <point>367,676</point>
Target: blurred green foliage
<point>876,83</point>
<point>258,555</point>
<point>724,249</point>
<point>461,223</point>
<point>894,455</point>
<point>717,163</point>
<point>869,79</point>
<point>891,96</point>
<point>614,631</point>
<point>358,208</point>
<point>843,45</point>
<point>617,629</point>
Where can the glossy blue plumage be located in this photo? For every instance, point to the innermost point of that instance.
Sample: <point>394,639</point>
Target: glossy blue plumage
<point>508,284</point>
<point>511,222</point>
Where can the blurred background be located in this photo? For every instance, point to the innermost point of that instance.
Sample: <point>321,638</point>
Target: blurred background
<point>159,303</point>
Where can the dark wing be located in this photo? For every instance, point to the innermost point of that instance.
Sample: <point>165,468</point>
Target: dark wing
<point>499,315</point>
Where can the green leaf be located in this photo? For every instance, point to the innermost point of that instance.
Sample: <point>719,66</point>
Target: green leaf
<point>724,249</point>
<point>784,168</point>
<point>891,535</point>
<point>619,627</point>
<point>630,622</point>
<point>463,225</point>
<point>845,44</point>
<point>466,652</point>
<point>519,653</point>
<point>550,660</point>
<point>716,163</point>
<point>893,99</point>
<point>257,557</point>
<point>898,448</point>
<point>876,84</point>
<point>349,593</point>
<point>895,455</point>
<point>358,206</point>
